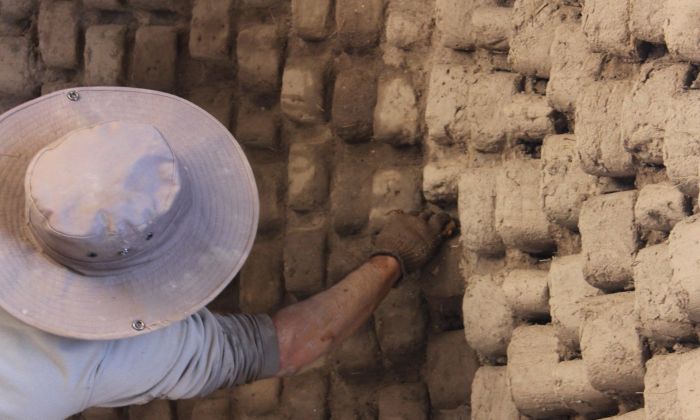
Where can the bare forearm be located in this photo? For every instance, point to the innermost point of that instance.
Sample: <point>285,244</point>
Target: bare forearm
<point>309,329</point>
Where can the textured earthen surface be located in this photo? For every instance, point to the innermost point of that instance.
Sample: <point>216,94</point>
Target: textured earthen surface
<point>563,134</point>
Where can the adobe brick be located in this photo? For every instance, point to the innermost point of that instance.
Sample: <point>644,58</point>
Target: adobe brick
<point>58,33</point>
<point>104,55</point>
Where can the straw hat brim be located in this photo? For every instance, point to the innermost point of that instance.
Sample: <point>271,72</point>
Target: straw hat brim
<point>213,241</point>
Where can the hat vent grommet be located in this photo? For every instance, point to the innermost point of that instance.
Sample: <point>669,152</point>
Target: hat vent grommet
<point>73,95</point>
<point>138,325</point>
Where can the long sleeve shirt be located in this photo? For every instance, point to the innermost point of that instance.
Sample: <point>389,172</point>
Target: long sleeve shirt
<point>43,376</point>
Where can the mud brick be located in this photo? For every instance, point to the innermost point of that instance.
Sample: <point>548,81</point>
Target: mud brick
<point>257,127</point>
<point>685,262</point>
<point>447,95</point>
<point>16,9</point>
<point>520,220</point>
<point>58,33</point>
<point>407,25</point>
<point>477,209</point>
<point>445,313</point>
<point>680,29</point>
<point>195,73</point>
<point>463,412</point>
<point>396,113</point>
<point>644,111</point>
<point>400,323</point>
<point>302,91</point>
<point>212,408</point>
<point>210,29</point>
<point>486,98</point>
<point>567,291</point>
<point>441,179</point>
<point>304,396</point>
<point>534,23</point>
<point>259,54</point>
<point>611,348</point>
<point>307,177</point>
<point>488,319</point>
<point>176,6</point>
<point>346,255</point>
<point>564,186</point>
<point>394,189</point>
<point>660,207</point>
<point>647,20</point>
<point>352,401</point>
<point>215,100</point>
<point>681,147</point>
<point>17,66</point>
<point>359,354</point>
<point>156,409</point>
<point>573,65</point>
<point>104,55</point>
<point>450,368</point>
<point>312,18</point>
<point>609,240</point>
<point>359,22</point>
<point>543,387</point>
<point>491,396</point>
<point>154,58</point>
<point>351,196</point>
<point>492,27</point>
<point>405,401</point>
<point>606,25</point>
<point>270,179</point>
<point>533,354</point>
<point>660,302</point>
<point>661,390</point>
<point>575,390</point>
<point>527,293</point>
<point>526,117</point>
<point>305,258</point>
<point>259,397</point>
<point>354,97</point>
<point>260,284</point>
<point>442,276</point>
<point>599,140</point>
<point>452,21</point>
<point>687,385</point>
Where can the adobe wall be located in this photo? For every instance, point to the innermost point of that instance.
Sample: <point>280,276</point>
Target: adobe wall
<point>562,134</point>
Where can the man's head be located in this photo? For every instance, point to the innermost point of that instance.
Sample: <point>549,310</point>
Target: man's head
<point>121,211</point>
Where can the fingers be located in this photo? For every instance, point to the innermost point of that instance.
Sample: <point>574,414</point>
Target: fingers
<point>439,221</point>
<point>426,215</point>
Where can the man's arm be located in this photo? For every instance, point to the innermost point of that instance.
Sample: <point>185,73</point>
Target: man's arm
<point>205,352</point>
<point>309,329</point>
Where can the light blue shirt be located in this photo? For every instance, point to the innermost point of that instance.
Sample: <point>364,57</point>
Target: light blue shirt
<point>43,376</point>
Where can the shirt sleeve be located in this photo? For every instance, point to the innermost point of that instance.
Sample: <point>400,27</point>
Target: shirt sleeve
<point>191,358</point>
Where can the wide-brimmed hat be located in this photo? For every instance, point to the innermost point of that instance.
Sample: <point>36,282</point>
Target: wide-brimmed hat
<point>122,211</point>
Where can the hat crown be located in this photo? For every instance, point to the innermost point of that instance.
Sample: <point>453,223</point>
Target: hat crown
<point>100,198</point>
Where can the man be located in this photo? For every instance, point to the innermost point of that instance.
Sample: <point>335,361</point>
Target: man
<point>122,213</point>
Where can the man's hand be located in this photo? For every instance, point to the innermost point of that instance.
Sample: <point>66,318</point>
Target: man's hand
<point>309,329</point>
<point>413,238</point>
